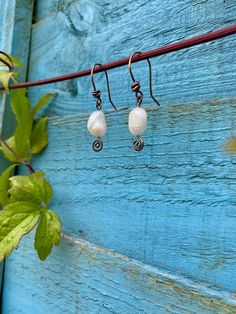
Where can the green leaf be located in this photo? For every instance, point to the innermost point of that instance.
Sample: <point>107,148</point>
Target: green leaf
<point>5,77</point>
<point>39,136</point>
<point>20,140</point>
<point>28,202</point>
<point>21,107</point>
<point>16,220</point>
<point>47,234</point>
<point>16,62</point>
<point>27,138</point>
<point>5,185</point>
<point>42,102</point>
<point>33,187</point>
<point>7,153</point>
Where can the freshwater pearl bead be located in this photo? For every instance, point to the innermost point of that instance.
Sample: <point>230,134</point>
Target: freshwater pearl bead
<point>97,124</point>
<point>137,121</point>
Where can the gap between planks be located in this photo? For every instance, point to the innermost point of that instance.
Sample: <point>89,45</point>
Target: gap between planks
<point>157,275</point>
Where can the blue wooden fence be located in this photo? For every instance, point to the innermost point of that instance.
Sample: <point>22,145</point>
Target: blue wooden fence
<point>150,232</point>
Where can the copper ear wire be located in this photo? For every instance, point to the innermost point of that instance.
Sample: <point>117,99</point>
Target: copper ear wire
<point>97,93</point>
<point>135,86</point>
<point>138,116</point>
<point>101,130</point>
<point>8,63</point>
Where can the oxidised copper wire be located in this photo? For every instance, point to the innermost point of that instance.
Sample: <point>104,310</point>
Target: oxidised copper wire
<point>98,143</point>
<point>183,44</point>
<point>135,86</point>
<point>138,144</point>
<point>97,93</point>
<point>9,64</point>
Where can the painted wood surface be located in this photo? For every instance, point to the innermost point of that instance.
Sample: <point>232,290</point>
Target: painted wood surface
<point>77,34</point>
<point>105,281</point>
<point>171,207</point>
<point>15,25</point>
<point>174,210</point>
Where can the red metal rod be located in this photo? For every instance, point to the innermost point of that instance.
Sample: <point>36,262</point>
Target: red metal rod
<point>230,30</point>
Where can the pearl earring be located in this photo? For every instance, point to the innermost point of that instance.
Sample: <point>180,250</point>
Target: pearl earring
<point>97,123</point>
<point>138,116</point>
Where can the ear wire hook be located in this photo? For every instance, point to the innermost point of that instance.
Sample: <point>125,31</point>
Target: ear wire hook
<point>97,93</point>
<point>136,84</point>
<point>9,64</point>
<point>150,83</point>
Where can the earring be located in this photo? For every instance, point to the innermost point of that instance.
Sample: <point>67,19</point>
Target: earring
<point>138,116</point>
<point>97,123</point>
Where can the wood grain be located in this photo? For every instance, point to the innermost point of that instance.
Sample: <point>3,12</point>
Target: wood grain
<point>15,25</point>
<point>73,35</point>
<point>94,280</point>
<point>172,206</point>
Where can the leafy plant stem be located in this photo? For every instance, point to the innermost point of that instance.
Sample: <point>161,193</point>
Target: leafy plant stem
<point>24,199</point>
<point>21,161</point>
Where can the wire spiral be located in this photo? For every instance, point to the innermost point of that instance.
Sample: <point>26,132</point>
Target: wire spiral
<point>138,144</point>
<point>98,145</point>
<point>139,97</point>
<point>97,94</point>
<point>135,86</point>
<point>99,104</point>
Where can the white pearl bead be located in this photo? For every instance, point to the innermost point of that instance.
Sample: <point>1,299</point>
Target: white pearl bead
<point>137,121</point>
<point>97,124</point>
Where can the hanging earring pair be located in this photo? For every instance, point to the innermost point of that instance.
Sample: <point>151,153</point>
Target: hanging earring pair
<point>97,123</point>
<point>138,116</point>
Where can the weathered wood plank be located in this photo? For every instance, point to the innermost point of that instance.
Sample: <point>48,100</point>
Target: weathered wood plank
<point>73,35</point>
<point>173,205</point>
<point>94,280</point>
<point>16,21</point>
<point>170,206</point>
<point>15,25</point>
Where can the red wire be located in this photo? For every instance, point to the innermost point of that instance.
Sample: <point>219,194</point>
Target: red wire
<point>142,56</point>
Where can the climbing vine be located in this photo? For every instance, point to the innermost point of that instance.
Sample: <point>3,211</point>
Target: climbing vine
<point>24,199</point>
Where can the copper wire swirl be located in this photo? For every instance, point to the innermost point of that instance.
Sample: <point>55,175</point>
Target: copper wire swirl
<point>97,94</point>
<point>138,144</point>
<point>98,145</point>
<point>136,89</point>
<point>135,86</point>
<point>139,97</point>
<point>99,104</point>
